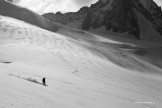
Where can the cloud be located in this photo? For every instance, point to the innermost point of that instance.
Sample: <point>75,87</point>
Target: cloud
<point>44,6</point>
<point>84,2</point>
<point>16,1</point>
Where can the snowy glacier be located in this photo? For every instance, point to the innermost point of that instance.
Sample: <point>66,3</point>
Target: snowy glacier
<point>82,70</point>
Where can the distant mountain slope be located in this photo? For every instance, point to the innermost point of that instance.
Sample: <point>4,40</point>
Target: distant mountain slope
<point>140,18</point>
<point>67,17</point>
<point>11,10</point>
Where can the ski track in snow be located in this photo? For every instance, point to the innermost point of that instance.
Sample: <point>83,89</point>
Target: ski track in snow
<point>77,77</point>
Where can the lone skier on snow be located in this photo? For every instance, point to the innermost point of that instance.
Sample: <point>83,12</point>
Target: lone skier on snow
<point>44,81</point>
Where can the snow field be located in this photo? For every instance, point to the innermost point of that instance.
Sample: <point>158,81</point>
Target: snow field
<point>78,76</point>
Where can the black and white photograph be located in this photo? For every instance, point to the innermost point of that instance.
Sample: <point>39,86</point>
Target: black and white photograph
<point>80,53</point>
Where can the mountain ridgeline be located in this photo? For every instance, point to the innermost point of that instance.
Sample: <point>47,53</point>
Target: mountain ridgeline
<point>7,8</point>
<point>141,19</point>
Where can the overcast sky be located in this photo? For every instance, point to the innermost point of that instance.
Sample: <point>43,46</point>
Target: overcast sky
<point>159,2</point>
<point>44,6</point>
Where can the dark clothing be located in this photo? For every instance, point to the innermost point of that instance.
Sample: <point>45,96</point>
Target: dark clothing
<point>44,81</point>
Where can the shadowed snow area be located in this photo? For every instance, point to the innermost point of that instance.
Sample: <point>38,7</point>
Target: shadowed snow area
<point>82,70</point>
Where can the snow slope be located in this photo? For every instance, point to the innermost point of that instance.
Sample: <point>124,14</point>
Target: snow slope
<point>82,71</point>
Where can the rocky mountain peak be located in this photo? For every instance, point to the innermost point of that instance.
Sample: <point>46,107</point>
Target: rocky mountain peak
<point>139,18</point>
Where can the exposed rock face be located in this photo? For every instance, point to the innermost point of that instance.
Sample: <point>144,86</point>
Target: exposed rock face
<point>140,18</point>
<point>116,15</point>
<point>67,17</point>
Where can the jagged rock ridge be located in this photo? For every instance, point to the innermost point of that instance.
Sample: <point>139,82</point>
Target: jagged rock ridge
<point>140,18</point>
<point>67,17</point>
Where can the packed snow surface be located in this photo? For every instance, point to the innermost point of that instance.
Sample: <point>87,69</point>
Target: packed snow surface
<point>80,72</point>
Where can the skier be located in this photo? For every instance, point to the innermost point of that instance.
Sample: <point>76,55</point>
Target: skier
<point>44,81</point>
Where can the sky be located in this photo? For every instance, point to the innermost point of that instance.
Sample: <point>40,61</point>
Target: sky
<point>45,6</point>
<point>159,2</point>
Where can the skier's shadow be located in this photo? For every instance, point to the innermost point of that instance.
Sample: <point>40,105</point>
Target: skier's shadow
<point>27,78</point>
<point>33,80</point>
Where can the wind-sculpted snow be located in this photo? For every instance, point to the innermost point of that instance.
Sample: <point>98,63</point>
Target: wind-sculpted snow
<point>111,50</point>
<point>81,72</point>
